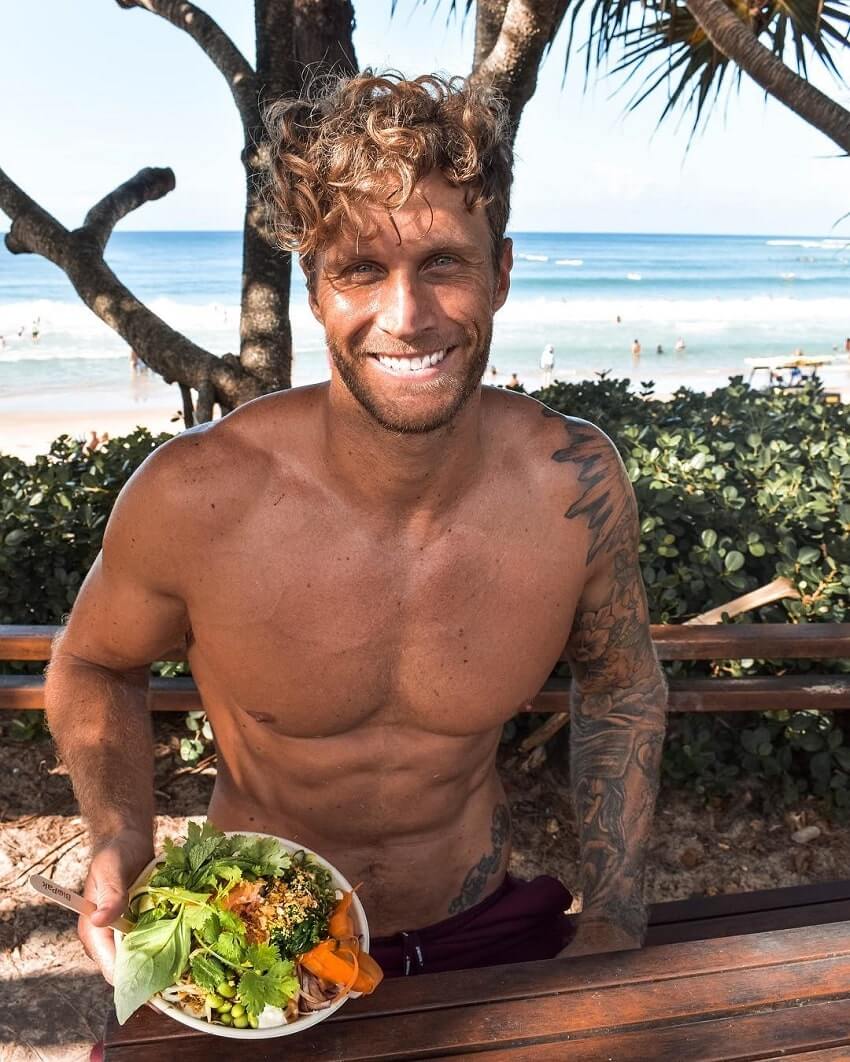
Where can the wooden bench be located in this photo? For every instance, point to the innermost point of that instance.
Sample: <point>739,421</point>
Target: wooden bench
<point>738,916</point>
<point>783,993</point>
<point>735,641</point>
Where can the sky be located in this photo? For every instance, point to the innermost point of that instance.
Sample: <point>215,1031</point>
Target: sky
<point>91,93</point>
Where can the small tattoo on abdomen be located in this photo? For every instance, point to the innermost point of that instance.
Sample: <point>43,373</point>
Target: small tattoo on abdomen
<point>476,880</point>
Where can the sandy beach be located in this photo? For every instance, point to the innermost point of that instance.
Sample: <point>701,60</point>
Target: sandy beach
<point>29,422</point>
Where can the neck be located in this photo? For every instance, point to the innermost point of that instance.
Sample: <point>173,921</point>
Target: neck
<point>408,475</point>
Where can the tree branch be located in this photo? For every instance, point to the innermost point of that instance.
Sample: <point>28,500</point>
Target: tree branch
<point>512,65</point>
<point>736,41</point>
<point>79,254</point>
<point>489,16</point>
<point>206,32</point>
<point>147,185</point>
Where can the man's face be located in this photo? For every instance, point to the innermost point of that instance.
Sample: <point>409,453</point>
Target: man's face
<point>408,311</point>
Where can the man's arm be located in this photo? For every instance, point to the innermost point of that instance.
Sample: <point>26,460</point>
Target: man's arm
<point>618,710</point>
<point>96,696</point>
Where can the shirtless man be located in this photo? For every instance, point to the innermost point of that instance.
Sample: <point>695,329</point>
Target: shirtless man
<point>341,562</point>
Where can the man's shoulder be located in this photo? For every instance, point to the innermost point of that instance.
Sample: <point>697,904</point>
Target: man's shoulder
<point>532,430</point>
<point>223,462</point>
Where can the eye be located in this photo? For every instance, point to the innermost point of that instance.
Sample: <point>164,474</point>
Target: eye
<point>443,260</point>
<point>360,270</point>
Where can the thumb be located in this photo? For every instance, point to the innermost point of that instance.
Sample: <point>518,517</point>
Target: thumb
<point>111,900</point>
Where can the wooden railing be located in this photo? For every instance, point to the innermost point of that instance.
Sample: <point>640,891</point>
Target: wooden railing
<point>732,641</point>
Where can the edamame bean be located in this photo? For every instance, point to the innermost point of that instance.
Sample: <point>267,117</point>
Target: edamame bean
<point>225,1007</point>
<point>237,1011</point>
<point>225,989</point>
<point>215,1001</point>
<point>225,1019</point>
<point>253,1021</point>
<point>240,1023</point>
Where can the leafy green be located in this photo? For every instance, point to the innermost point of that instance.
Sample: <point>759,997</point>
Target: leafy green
<point>272,987</point>
<point>302,937</point>
<point>263,956</point>
<point>207,972</point>
<point>229,947</point>
<point>208,859</point>
<point>148,960</point>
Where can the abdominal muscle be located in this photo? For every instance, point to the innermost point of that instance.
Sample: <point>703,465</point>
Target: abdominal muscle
<point>420,819</point>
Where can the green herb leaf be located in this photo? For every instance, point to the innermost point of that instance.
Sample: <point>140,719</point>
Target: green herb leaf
<point>231,923</point>
<point>207,972</point>
<point>230,947</point>
<point>263,956</point>
<point>148,960</point>
<point>273,988</point>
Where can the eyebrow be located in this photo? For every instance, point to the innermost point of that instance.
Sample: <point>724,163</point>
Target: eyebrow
<point>366,249</point>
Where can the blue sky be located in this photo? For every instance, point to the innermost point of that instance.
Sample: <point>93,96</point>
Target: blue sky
<point>91,93</point>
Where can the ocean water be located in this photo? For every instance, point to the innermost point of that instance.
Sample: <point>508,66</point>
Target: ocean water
<point>729,298</point>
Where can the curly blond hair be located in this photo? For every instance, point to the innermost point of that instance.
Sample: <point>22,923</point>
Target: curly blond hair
<point>365,141</point>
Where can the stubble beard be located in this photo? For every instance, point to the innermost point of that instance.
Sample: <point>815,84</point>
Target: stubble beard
<point>457,390</point>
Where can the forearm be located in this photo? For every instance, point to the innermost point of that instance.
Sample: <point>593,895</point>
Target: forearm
<point>101,724</point>
<point>616,742</point>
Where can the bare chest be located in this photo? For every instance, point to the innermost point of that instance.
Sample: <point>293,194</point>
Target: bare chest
<point>318,628</point>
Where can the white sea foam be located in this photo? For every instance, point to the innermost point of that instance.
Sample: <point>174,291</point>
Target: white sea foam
<point>710,313</point>
<point>569,261</point>
<point>534,257</point>
<point>826,245</point>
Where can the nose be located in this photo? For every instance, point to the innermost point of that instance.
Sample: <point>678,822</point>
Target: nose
<point>406,309</point>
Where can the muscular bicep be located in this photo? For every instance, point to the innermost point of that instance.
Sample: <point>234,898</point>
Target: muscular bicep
<point>130,610</point>
<point>610,645</point>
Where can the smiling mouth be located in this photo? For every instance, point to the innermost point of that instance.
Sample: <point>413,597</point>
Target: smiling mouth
<point>412,366</point>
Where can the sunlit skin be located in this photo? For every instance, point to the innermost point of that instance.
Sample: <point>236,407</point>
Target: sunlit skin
<point>373,575</point>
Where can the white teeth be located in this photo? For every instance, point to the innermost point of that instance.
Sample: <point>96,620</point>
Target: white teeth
<point>411,364</point>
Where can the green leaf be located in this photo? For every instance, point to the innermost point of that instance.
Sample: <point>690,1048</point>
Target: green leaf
<point>207,971</point>
<point>16,536</point>
<point>808,555</point>
<point>708,538</point>
<point>229,947</point>
<point>148,960</point>
<point>263,956</point>
<point>734,560</point>
<point>273,988</point>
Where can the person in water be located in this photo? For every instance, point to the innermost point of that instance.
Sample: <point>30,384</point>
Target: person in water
<point>332,558</point>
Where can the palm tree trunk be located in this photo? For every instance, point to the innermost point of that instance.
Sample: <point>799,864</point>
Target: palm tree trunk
<point>733,38</point>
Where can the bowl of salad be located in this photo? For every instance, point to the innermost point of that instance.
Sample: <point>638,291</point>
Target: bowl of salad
<point>242,935</point>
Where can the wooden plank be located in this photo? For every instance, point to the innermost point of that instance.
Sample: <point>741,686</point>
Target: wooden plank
<point>758,693</point>
<point>26,643</point>
<point>582,1014</point>
<point>752,922</point>
<point>758,641</point>
<point>591,975</point>
<point>735,903</point>
<point>800,1032</point>
<point>722,641</point>
<point>26,693</point>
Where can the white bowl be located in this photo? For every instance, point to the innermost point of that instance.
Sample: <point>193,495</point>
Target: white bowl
<point>361,929</point>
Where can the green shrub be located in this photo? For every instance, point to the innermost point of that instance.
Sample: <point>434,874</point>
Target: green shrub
<point>735,489</point>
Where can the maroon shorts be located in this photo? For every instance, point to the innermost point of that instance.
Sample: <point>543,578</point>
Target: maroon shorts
<point>519,922</point>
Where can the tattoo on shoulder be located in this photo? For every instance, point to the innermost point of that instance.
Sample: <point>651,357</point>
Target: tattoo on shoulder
<point>602,501</point>
<point>476,879</point>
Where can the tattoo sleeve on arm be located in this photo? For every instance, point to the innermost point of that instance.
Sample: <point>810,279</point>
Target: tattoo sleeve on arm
<point>619,693</point>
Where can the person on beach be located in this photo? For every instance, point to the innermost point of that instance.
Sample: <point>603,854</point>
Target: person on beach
<point>514,382</point>
<point>847,345</point>
<point>373,574</point>
<point>547,363</point>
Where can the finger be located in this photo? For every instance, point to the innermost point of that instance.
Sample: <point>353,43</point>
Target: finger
<point>99,945</point>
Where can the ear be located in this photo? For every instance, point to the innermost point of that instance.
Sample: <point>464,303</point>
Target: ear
<point>503,278</point>
<point>310,276</point>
